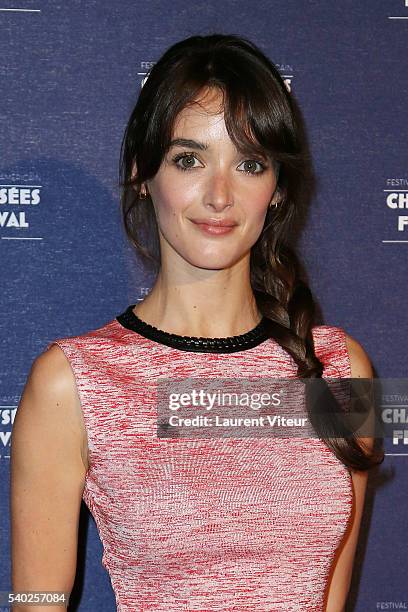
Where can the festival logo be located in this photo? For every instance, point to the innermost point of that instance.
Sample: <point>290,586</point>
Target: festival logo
<point>396,201</point>
<point>7,415</point>
<point>286,72</point>
<point>18,199</point>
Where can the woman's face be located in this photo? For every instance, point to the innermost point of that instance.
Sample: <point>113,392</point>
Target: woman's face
<point>207,179</point>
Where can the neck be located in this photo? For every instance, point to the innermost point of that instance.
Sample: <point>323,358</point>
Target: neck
<point>218,304</point>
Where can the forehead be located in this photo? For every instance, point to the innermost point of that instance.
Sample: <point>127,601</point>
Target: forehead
<point>205,113</point>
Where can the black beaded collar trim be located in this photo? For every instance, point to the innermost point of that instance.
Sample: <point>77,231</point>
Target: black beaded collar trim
<point>229,344</point>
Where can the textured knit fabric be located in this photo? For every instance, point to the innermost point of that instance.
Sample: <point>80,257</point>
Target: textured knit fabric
<point>221,524</point>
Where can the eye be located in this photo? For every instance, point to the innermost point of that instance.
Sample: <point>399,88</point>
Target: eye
<point>251,166</point>
<point>189,158</point>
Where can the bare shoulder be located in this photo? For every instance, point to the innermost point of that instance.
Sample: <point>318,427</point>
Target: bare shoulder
<point>359,360</point>
<point>361,368</point>
<point>51,389</point>
<point>52,368</point>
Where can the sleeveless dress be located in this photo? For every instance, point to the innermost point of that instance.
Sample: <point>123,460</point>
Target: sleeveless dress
<point>217,524</point>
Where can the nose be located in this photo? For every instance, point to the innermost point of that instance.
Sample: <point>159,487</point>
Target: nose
<point>219,193</point>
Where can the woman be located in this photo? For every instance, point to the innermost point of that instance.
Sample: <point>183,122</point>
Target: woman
<point>213,170</point>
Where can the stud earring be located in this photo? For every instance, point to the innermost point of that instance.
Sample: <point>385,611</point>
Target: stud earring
<point>143,194</point>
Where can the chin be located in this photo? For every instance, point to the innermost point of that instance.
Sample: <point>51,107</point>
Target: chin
<point>212,262</point>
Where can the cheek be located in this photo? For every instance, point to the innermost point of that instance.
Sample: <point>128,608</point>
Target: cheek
<point>257,206</point>
<point>255,211</point>
<point>170,202</point>
<point>256,193</point>
<point>167,199</point>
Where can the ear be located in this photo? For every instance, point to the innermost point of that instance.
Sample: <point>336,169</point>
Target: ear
<point>277,196</point>
<point>134,170</point>
<point>133,175</point>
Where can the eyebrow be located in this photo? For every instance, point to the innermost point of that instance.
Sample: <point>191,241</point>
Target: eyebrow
<point>191,144</point>
<point>201,146</point>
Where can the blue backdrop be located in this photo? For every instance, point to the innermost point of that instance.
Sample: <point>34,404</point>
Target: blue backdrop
<point>70,75</point>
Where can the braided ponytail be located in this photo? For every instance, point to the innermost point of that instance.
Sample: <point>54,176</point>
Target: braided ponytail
<point>286,300</point>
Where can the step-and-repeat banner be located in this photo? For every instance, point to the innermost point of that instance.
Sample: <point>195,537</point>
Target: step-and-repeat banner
<point>70,75</point>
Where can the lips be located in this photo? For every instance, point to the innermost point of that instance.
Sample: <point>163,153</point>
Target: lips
<point>215,227</point>
<point>215,222</point>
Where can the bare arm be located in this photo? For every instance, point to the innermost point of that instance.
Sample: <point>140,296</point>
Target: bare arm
<point>343,565</point>
<point>47,479</point>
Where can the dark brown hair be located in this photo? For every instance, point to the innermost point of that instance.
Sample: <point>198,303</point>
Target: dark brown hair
<point>260,116</point>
